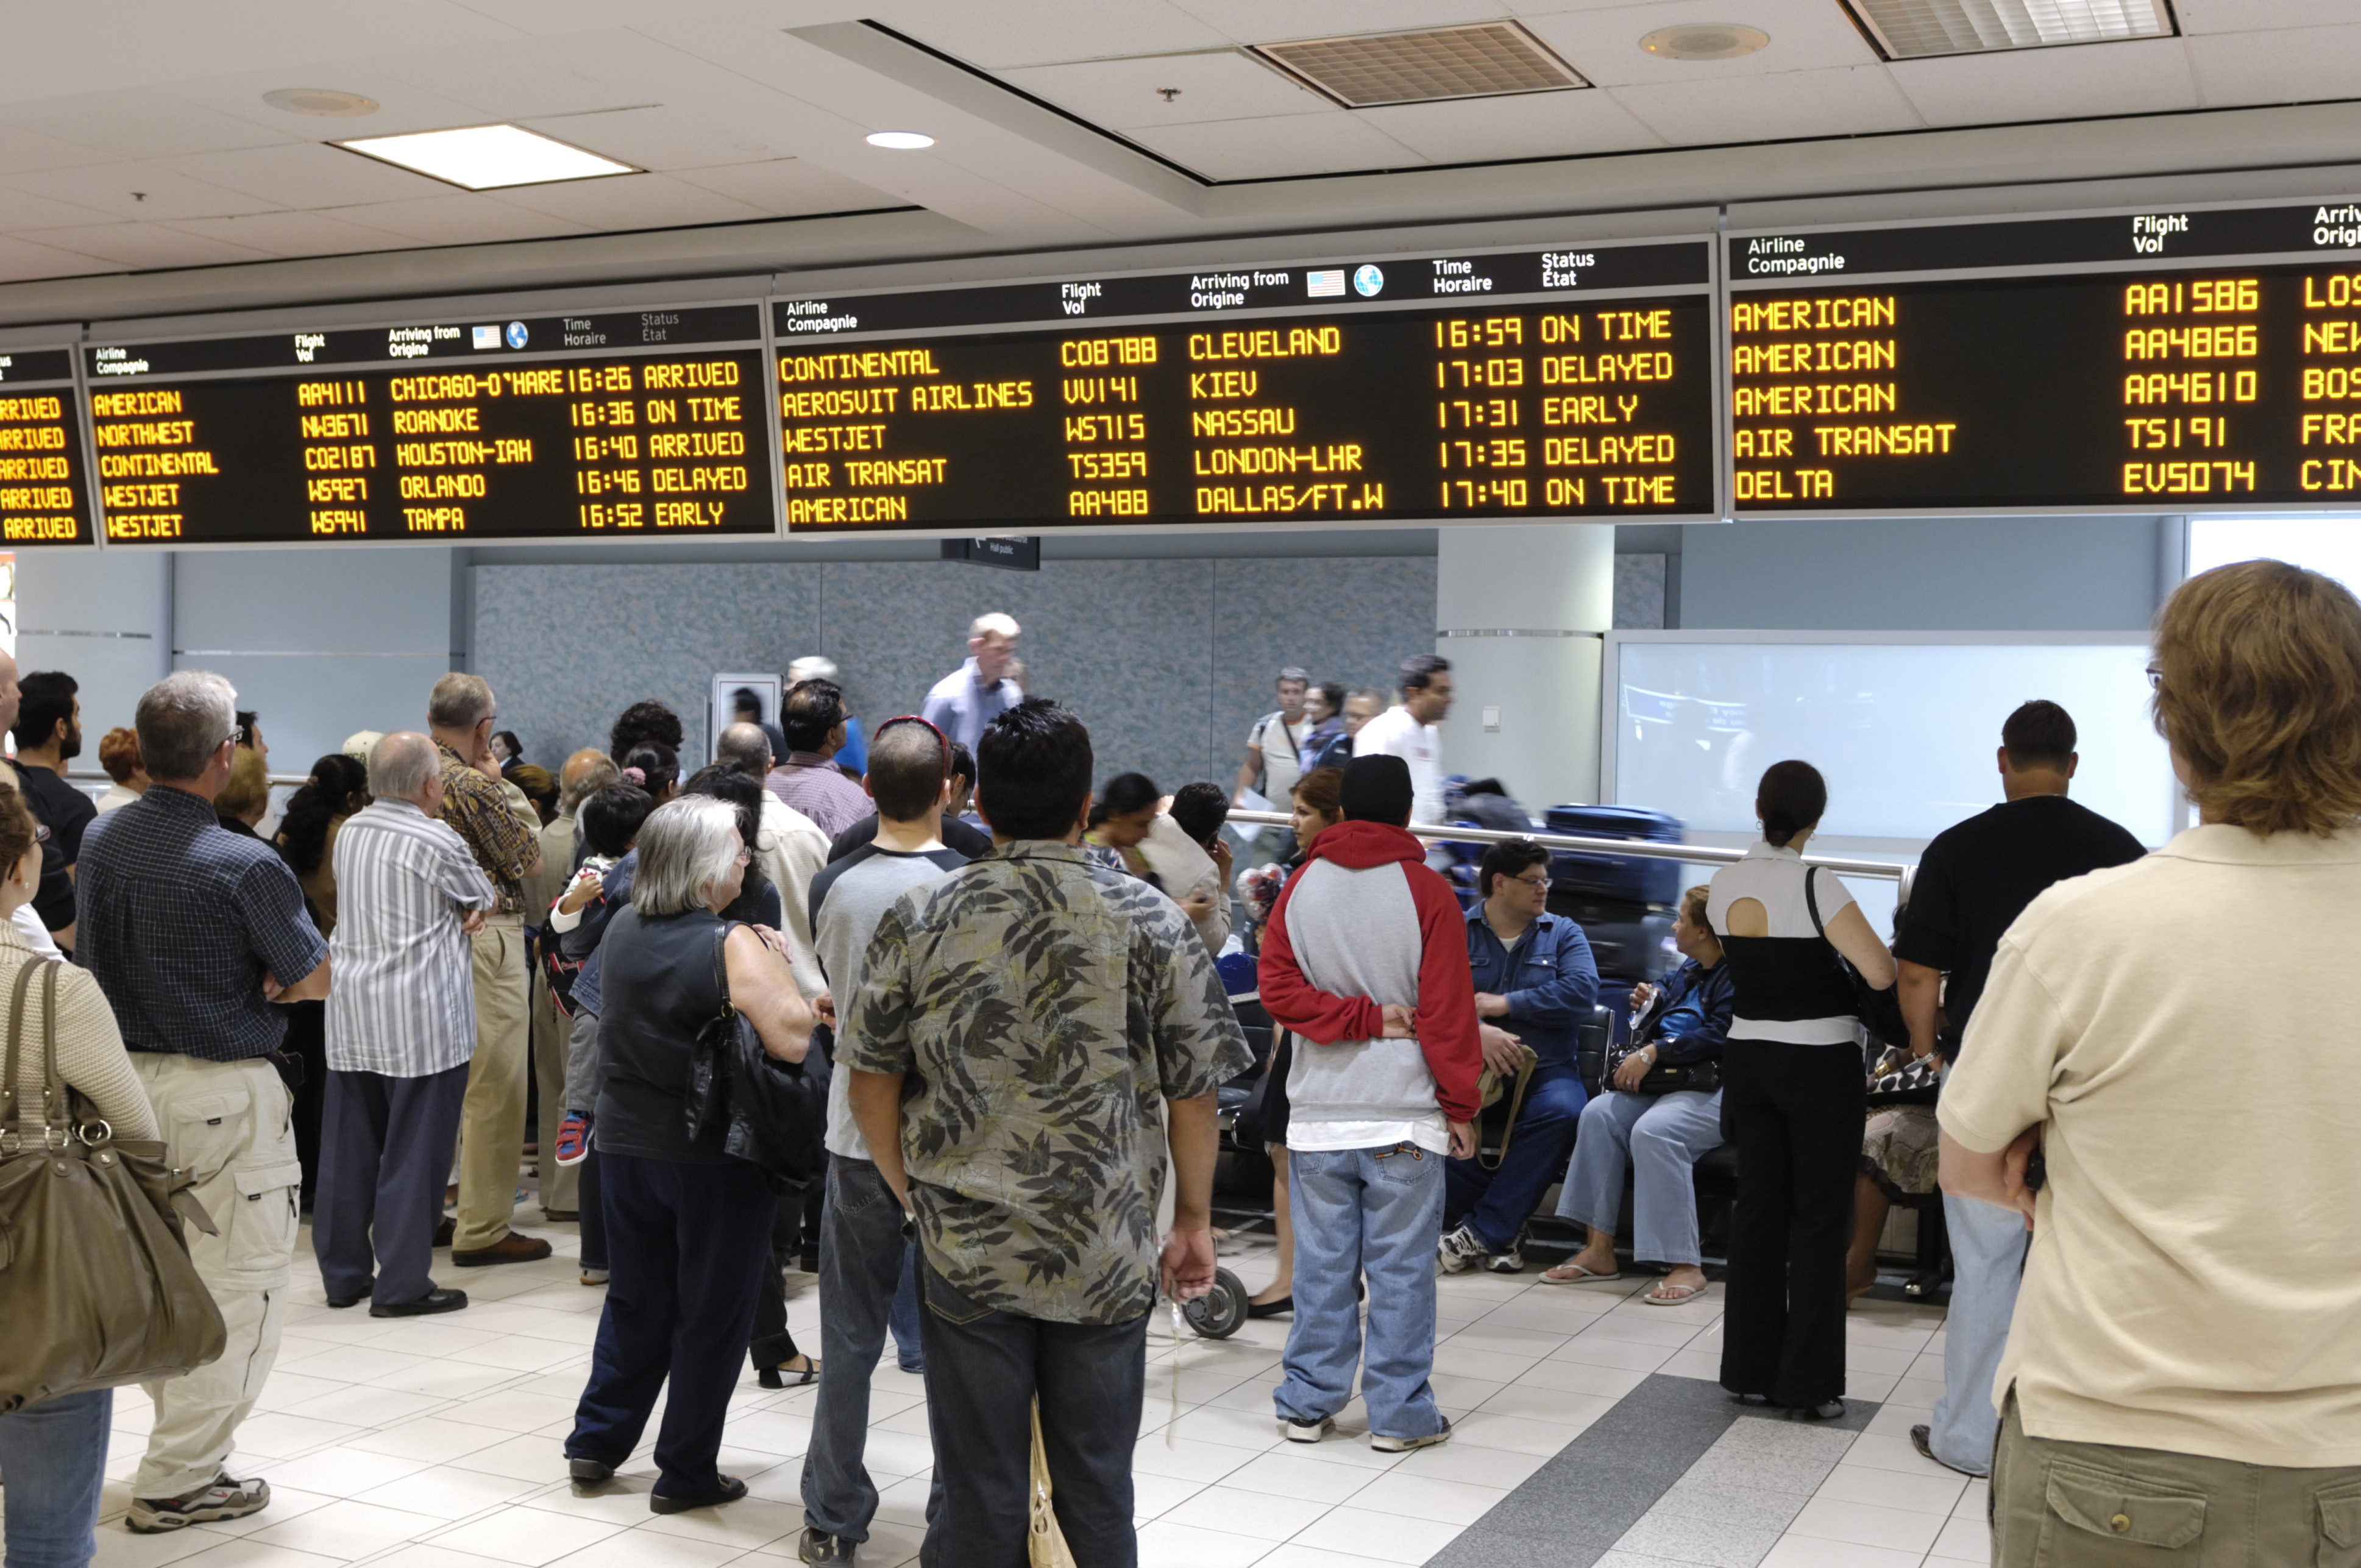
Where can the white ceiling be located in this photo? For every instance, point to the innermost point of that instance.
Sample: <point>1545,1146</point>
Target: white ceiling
<point>134,135</point>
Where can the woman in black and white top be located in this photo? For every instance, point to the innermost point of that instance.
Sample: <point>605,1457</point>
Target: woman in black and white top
<point>1792,1096</point>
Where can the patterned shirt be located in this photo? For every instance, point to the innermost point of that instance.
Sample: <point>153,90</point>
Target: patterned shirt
<point>503,846</point>
<point>816,787</point>
<point>179,918</point>
<point>1043,1008</point>
<point>404,1000</point>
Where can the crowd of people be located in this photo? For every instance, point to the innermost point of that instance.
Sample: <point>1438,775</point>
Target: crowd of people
<point>999,983</point>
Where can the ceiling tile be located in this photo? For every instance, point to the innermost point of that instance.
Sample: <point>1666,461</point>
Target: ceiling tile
<point>661,136</point>
<point>145,246</point>
<point>1535,125</point>
<point>23,260</point>
<point>23,152</point>
<point>292,234</point>
<point>1121,95</point>
<point>143,193</point>
<point>1289,144</point>
<point>1273,21</point>
<point>2288,65</point>
<point>129,127</point>
<point>22,210</point>
<point>306,174</point>
<point>534,80</point>
<point>459,218</point>
<point>2138,77</point>
<point>2248,15</point>
<point>630,202</point>
<point>1845,102</point>
<point>1604,45</point>
<point>1037,32</point>
<point>789,187</point>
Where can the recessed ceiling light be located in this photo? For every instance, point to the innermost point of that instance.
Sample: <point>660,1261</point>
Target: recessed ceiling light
<point>905,141</point>
<point>485,158</point>
<point>1705,41</point>
<point>320,101</point>
<point>1911,29</point>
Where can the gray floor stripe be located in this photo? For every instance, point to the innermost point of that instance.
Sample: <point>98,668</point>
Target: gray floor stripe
<point>1574,1509</point>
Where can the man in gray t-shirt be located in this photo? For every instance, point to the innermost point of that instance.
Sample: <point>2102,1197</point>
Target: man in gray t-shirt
<point>867,1279</point>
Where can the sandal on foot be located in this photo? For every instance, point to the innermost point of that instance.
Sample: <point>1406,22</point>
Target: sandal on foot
<point>1680,1293</point>
<point>1580,1276</point>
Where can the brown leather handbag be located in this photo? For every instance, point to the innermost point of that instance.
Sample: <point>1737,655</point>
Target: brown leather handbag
<point>96,1288</point>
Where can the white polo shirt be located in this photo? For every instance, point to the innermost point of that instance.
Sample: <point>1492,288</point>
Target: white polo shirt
<point>1394,733</point>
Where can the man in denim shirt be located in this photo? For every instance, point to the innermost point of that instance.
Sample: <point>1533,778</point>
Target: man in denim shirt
<point>1535,983</point>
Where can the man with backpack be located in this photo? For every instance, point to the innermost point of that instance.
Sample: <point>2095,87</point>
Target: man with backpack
<point>1275,744</point>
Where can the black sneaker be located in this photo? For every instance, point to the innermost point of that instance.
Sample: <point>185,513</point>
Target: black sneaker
<point>732,1490</point>
<point>220,1499</point>
<point>1308,1431</point>
<point>587,1472</point>
<point>1458,1251</point>
<point>818,1546</point>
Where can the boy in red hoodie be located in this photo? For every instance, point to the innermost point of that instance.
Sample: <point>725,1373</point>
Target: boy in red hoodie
<point>1366,959</point>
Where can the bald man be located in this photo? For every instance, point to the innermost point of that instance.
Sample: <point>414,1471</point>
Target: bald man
<point>585,774</point>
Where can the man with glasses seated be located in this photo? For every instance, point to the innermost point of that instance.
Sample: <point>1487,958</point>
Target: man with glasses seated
<point>1535,983</point>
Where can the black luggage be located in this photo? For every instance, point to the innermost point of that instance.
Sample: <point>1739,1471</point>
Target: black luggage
<point>1627,942</point>
<point>1604,878</point>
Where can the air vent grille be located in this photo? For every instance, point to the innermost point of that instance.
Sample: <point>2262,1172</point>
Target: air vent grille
<point>1488,59</point>
<point>1913,29</point>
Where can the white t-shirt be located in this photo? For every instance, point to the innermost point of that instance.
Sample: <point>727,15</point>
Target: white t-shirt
<point>1281,745</point>
<point>1773,877</point>
<point>2181,1028</point>
<point>1394,733</point>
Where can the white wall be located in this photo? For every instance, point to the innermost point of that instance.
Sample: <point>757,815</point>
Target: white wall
<point>106,620</point>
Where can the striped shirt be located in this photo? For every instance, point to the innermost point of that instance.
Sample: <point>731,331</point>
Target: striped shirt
<point>404,1000</point>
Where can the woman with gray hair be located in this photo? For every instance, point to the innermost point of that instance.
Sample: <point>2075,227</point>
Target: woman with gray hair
<point>688,1227</point>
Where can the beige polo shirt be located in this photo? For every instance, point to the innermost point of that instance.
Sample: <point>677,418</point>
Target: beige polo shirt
<point>2188,1030</point>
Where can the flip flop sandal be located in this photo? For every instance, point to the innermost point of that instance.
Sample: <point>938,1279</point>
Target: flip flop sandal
<point>1683,1293</point>
<point>1580,1276</point>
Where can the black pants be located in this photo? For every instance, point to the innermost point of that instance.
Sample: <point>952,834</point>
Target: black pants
<point>389,1154</point>
<point>593,1211</point>
<point>984,1369</point>
<point>688,1245</point>
<point>772,1345</point>
<point>1795,1112</point>
<point>307,1042</point>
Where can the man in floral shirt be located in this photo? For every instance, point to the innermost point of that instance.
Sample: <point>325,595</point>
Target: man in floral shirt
<point>1021,1028</point>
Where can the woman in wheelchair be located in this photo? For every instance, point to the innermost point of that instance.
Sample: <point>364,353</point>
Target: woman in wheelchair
<point>1662,1135</point>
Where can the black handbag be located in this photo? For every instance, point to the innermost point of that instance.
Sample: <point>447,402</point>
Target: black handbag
<point>775,1112</point>
<point>1880,1012</point>
<point>1664,1078</point>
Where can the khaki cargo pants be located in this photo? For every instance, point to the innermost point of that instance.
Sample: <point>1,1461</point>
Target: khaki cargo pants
<point>2087,1505</point>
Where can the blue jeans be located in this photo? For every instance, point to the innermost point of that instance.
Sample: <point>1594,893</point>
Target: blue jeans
<point>1988,1245</point>
<point>984,1369</point>
<point>1663,1136</point>
<point>1378,1210</point>
<point>54,1457</point>
<point>1497,1203</point>
<point>864,1268</point>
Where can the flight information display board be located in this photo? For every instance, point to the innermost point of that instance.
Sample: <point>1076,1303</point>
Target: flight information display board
<point>44,496</point>
<point>639,424</point>
<point>2158,361</point>
<point>1554,383</point>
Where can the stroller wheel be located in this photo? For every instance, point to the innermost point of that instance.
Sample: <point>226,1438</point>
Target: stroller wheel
<point>1217,1313</point>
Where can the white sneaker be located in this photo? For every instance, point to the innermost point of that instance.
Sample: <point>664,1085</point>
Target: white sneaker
<point>1458,1251</point>
<point>1509,1262</point>
<point>1404,1445</point>
<point>1308,1431</point>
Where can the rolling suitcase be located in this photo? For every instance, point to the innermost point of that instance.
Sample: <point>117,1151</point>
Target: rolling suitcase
<point>1614,879</point>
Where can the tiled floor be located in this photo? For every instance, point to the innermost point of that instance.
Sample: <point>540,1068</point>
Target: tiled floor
<point>434,1444</point>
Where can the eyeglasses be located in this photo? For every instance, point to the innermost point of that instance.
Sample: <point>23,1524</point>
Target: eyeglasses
<point>1533,881</point>
<point>40,832</point>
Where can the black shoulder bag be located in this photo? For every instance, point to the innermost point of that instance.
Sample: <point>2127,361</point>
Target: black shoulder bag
<point>775,1111</point>
<point>1880,1012</point>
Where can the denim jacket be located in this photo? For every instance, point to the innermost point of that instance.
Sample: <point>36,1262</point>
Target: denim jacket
<point>1548,977</point>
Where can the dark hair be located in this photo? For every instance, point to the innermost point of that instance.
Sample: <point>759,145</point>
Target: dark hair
<point>1420,669</point>
<point>1510,857</point>
<point>658,764</point>
<point>1333,693</point>
<point>640,723</point>
<point>508,737</point>
<point>746,699</point>
<point>17,827</point>
<point>2039,735</point>
<point>327,795</point>
<point>44,698</point>
<point>247,720</point>
<point>1790,799</point>
<point>1377,789</point>
<point>610,818</point>
<point>813,708</point>
<point>1201,809</point>
<point>723,782</point>
<point>1034,766</point>
<point>908,761</point>
<point>1127,792</point>
<point>963,762</point>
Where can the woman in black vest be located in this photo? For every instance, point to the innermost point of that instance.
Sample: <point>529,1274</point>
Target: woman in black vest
<point>688,1228</point>
<point>1793,1091</point>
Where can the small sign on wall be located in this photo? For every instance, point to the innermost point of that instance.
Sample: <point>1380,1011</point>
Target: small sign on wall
<point>752,699</point>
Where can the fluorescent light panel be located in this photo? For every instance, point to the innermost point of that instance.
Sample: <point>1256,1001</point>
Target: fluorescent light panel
<point>1914,29</point>
<point>488,158</point>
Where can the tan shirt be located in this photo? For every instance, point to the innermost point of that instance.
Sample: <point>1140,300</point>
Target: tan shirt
<point>2182,1028</point>
<point>90,1048</point>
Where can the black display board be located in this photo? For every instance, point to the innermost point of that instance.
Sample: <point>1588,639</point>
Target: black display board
<point>1567,383</point>
<point>638,423</point>
<point>44,491</point>
<point>2165,361</point>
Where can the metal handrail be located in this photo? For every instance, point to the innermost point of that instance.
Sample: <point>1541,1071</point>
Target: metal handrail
<point>1641,848</point>
<point>92,775</point>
